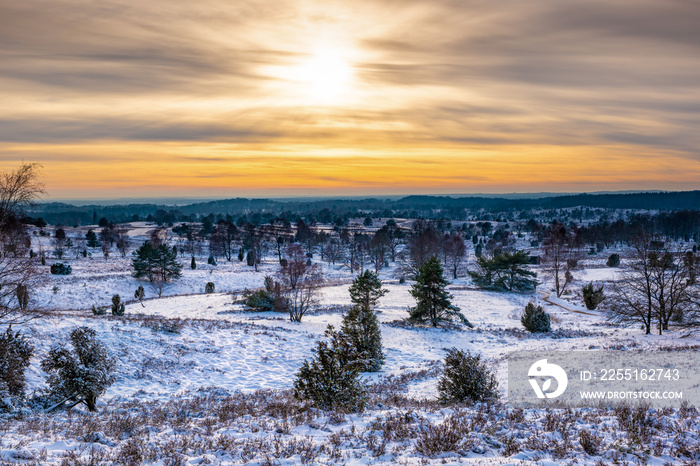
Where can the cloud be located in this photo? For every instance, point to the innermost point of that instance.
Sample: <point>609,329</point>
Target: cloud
<point>431,77</point>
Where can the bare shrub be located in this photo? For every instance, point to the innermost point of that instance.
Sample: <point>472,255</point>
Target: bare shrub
<point>590,442</point>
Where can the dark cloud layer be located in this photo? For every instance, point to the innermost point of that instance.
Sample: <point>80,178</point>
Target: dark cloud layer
<point>439,73</point>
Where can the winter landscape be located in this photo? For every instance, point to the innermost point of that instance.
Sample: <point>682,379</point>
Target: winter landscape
<point>369,232</point>
<point>203,363</point>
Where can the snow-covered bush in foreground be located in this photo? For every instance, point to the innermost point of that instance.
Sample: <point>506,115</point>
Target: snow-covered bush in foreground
<point>15,352</point>
<point>331,379</point>
<point>466,378</point>
<point>80,375</point>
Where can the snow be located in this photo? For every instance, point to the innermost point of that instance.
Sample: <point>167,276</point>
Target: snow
<point>222,345</point>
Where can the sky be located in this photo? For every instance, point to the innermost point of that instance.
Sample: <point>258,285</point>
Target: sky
<point>216,98</point>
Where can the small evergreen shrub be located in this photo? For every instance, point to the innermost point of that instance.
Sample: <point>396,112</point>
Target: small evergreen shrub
<point>98,311</point>
<point>466,378</point>
<point>211,261</point>
<point>268,299</point>
<point>613,260</point>
<point>535,319</point>
<point>592,296</point>
<point>118,307</point>
<point>83,373</point>
<point>193,264</point>
<point>331,379</point>
<point>209,287</point>
<point>15,352</point>
<point>361,325</point>
<point>140,294</point>
<point>61,269</point>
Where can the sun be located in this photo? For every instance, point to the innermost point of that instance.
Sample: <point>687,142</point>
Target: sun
<point>326,75</point>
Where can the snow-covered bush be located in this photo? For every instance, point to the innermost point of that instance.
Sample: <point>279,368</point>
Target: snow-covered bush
<point>15,352</point>
<point>98,311</point>
<point>211,261</point>
<point>80,375</point>
<point>331,379</point>
<point>592,296</point>
<point>61,269</point>
<point>466,378</point>
<point>118,307</point>
<point>209,287</point>
<point>535,319</point>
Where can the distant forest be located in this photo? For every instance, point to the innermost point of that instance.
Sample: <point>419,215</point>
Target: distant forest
<point>331,210</point>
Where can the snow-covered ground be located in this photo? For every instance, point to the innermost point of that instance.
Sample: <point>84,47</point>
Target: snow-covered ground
<point>225,354</point>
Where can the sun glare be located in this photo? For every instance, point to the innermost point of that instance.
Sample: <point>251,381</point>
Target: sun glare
<point>327,75</point>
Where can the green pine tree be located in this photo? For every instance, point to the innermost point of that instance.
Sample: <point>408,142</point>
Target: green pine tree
<point>361,325</point>
<point>433,300</point>
<point>331,379</point>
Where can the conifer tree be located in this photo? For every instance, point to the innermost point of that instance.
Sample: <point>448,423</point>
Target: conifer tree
<point>361,325</point>
<point>433,300</point>
<point>331,379</point>
<point>84,373</point>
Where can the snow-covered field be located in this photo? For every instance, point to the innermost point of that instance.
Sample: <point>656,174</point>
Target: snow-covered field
<point>194,397</point>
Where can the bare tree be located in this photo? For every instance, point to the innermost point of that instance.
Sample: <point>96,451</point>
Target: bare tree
<point>18,189</point>
<point>333,251</point>
<point>255,242</point>
<point>378,247</point>
<point>221,241</point>
<point>123,241</point>
<point>562,251</point>
<point>423,244</point>
<point>59,243</point>
<point>300,281</point>
<point>656,288</point>
<point>454,251</point>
